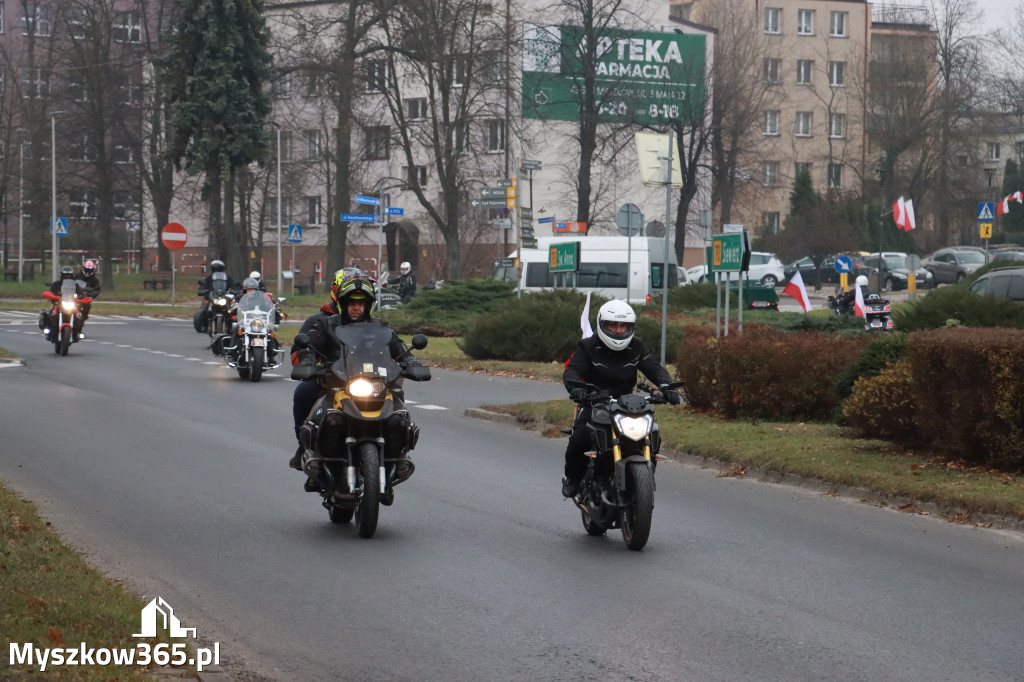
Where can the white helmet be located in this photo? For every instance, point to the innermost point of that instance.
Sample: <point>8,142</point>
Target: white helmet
<point>255,274</point>
<point>405,268</point>
<point>862,281</point>
<point>615,311</point>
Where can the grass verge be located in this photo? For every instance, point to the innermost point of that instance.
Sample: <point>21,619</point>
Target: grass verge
<point>51,597</point>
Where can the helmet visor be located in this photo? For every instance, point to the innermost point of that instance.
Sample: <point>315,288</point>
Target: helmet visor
<point>619,331</point>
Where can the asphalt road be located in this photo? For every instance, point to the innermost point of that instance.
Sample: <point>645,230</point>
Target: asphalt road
<point>171,472</point>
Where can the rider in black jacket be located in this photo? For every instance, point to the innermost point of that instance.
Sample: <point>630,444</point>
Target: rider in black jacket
<point>610,361</point>
<point>352,296</point>
<point>92,285</point>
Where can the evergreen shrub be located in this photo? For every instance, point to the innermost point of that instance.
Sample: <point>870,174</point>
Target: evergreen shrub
<point>956,306</point>
<point>880,351</point>
<point>884,405</point>
<point>449,311</point>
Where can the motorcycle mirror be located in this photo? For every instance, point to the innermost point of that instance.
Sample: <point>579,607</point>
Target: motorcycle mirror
<point>301,340</point>
<point>419,342</point>
<point>417,373</point>
<point>282,299</point>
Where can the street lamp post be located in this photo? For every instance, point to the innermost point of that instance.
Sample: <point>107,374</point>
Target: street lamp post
<point>54,243</point>
<point>990,172</point>
<point>21,204</point>
<point>880,276</point>
<point>280,282</point>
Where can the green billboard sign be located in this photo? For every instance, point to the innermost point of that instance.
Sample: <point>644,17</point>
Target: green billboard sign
<point>564,257</point>
<point>727,252</point>
<point>641,77</point>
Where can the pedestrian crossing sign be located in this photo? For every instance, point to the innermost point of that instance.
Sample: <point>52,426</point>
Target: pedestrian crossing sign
<point>986,212</point>
<point>295,234</point>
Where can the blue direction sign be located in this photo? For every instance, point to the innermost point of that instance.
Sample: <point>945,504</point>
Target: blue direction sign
<point>986,212</point>
<point>391,210</point>
<point>295,234</point>
<point>372,201</point>
<point>548,219</point>
<point>843,264</point>
<point>62,227</point>
<point>358,218</point>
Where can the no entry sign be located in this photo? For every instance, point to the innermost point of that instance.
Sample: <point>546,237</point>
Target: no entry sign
<point>174,236</point>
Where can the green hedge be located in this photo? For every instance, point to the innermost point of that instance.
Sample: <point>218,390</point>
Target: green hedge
<point>956,306</point>
<point>450,310</point>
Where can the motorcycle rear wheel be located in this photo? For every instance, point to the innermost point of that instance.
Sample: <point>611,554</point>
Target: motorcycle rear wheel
<point>256,364</point>
<point>65,340</point>
<point>636,517</point>
<point>369,501</point>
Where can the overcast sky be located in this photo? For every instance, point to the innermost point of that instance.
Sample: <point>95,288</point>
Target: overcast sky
<point>998,13</point>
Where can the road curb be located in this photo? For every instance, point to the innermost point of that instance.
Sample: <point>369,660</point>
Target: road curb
<point>824,488</point>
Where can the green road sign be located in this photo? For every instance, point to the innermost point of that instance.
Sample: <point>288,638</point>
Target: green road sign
<point>564,257</point>
<point>529,243</point>
<point>641,77</point>
<point>488,202</point>
<point>727,251</point>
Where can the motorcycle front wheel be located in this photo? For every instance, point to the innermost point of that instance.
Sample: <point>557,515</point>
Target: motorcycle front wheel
<point>65,340</point>
<point>256,361</point>
<point>636,516</point>
<point>369,502</point>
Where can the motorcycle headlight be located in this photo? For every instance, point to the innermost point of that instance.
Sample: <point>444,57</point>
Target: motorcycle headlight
<point>257,326</point>
<point>221,301</point>
<point>634,428</point>
<point>68,305</point>
<point>360,388</point>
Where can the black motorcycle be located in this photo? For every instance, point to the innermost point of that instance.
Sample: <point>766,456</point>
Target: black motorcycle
<point>214,317</point>
<point>877,311</point>
<point>617,490</point>
<point>356,436</point>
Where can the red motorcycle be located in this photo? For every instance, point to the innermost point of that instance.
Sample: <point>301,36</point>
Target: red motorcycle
<point>63,325</point>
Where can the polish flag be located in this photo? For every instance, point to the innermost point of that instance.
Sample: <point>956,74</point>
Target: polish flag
<point>588,331</point>
<point>911,222</point>
<point>795,288</point>
<point>859,309</point>
<point>1004,205</point>
<point>899,213</point>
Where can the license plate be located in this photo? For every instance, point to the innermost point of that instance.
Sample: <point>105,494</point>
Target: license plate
<point>876,324</point>
<point>259,341</point>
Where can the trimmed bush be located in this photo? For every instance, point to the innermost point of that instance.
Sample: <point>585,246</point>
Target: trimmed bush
<point>765,373</point>
<point>955,305</point>
<point>884,405</point>
<point>880,351</point>
<point>973,384</point>
<point>449,311</point>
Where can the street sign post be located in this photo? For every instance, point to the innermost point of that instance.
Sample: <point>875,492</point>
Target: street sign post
<point>370,201</point>
<point>392,210</point>
<point>62,227</point>
<point>174,237</point>
<point>295,234</point>
<point>358,218</point>
<point>529,165</point>
<point>727,252</point>
<point>491,203</point>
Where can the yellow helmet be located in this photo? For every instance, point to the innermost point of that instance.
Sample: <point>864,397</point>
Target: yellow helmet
<point>354,287</point>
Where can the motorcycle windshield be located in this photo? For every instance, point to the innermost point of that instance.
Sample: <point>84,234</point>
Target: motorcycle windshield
<point>68,289</point>
<point>219,283</point>
<point>255,301</point>
<point>364,350</point>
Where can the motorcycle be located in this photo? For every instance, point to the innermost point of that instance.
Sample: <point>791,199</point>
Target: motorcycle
<point>218,300</point>
<point>63,324</point>
<point>355,438</point>
<point>251,347</point>
<point>617,490</point>
<point>877,311</point>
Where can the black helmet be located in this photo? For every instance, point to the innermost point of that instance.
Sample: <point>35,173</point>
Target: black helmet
<point>67,272</point>
<point>217,266</point>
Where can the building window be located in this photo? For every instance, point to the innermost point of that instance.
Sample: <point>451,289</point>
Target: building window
<point>837,73</point>
<point>838,25</point>
<point>460,137</point>
<point>82,204</point>
<point>771,123</point>
<point>961,160</point>
<point>78,88</point>
<point>801,167</point>
<point>286,145</point>
<point>495,135</point>
<point>78,19</point>
<point>804,68</point>
<point>376,75</point>
<point>33,84</point>
<point>124,150</point>
<point>378,142</point>
<point>81,149</point>
<point>1,17</point>
<point>1019,146</point>
<point>459,70</point>
<point>313,211</point>
<point>416,108</point>
<point>837,125</point>
<point>416,176</point>
<point>835,175</point>
<point>993,151</point>
<point>805,22</point>
<point>281,87</point>
<point>126,207</point>
<point>286,210</point>
<point>773,20</point>
<point>36,20</point>
<point>803,123</point>
<point>128,94</point>
<point>771,70</point>
<point>127,27</point>
<point>770,173</point>
<point>312,144</point>
<point>771,222</point>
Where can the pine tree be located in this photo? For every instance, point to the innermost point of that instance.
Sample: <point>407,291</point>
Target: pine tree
<point>219,112</point>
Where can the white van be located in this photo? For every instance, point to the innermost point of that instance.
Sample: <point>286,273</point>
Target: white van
<point>602,268</point>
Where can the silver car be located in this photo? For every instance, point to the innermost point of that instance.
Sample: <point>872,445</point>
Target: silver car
<point>952,264</point>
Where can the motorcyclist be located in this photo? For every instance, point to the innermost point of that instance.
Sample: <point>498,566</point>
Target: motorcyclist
<point>92,285</point>
<point>205,287</point>
<point>406,282</point>
<point>352,296</point>
<point>255,274</point>
<point>609,361</point>
<point>844,301</point>
<point>46,320</point>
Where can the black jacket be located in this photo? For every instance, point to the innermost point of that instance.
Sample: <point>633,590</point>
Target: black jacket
<point>320,330</point>
<point>92,282</point>
<point>614,371</point>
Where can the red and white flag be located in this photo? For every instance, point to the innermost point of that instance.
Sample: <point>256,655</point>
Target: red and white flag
<point>588,331</point>
<point>911,222</point>
<point>1004,205</point>
<point>795,288</point>
<point>903,214</point>
<point>859,309</point>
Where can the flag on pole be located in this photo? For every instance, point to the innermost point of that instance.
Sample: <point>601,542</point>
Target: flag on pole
<point>1003,206</point>
<point>899,213</point>
<point>795,288</point>
<point>859,309</point>
<point>585,319</point>
<point>911,222</point>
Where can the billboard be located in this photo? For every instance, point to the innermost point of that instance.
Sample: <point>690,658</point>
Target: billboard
<point>640,77</point>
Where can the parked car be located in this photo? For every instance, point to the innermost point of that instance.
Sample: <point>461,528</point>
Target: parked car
<point>1006,254</point>
<point>896,272</point>
<point>765,268</point>
<point>827,270</point>
<point>1005,282</point>
<point>952,264</point>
